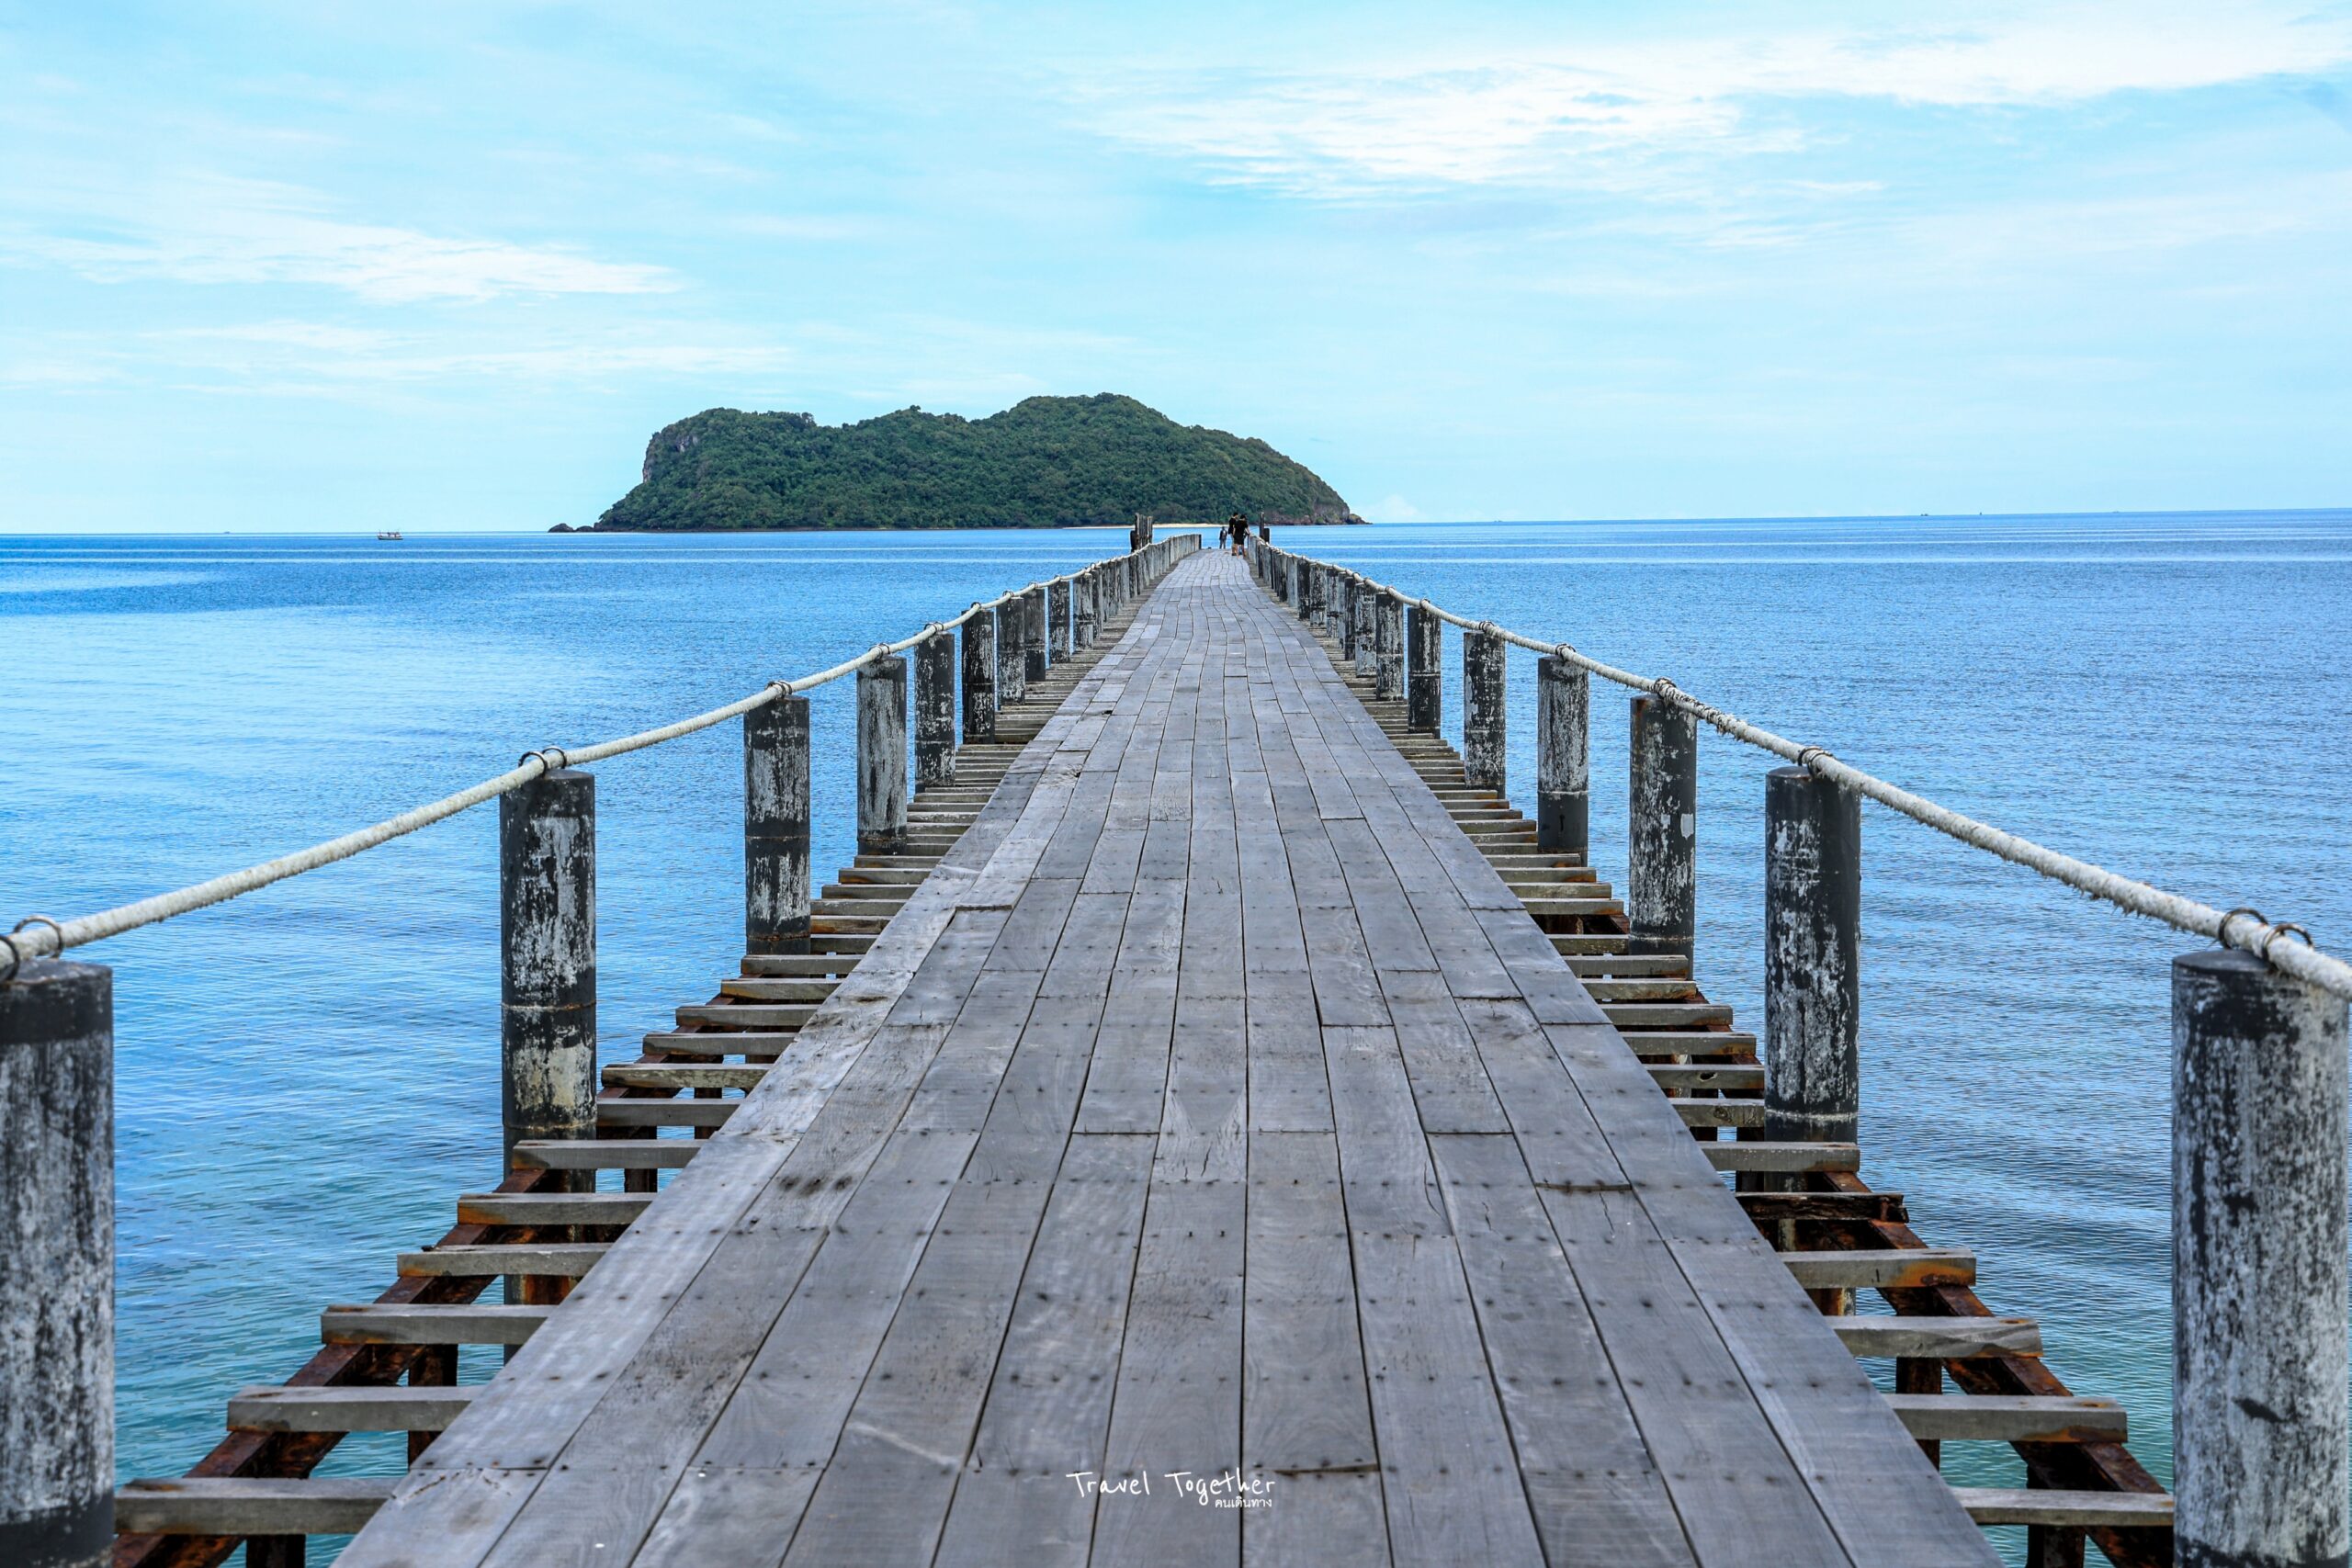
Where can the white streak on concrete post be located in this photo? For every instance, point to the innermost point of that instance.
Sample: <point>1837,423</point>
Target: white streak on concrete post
<point>1562,754</point>
<point>882,754</point>
<point>1812,881</point>
<point>775,827</point>
<point>1483,758</point>
<point>1662,829</point>
<point>546,858</point>
<point>57,1265</point>
<point>2259,1345</point>
<point>1424,673</point>
<point>934,711</point>
<point>979,678</point>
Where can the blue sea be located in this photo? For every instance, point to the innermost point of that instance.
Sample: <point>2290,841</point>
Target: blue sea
<point>307,1076</point>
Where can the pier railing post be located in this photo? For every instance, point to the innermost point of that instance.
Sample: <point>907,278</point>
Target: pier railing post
<point>934,711</point>
<point>2258,1275</point>
<point>547,863</point>
<point>1310,591</point>
<point>1388,649</point>
<point>882,755</point>
<point>1483,762</point>
<point>1661,829</point>
<point>1424,676</point>
<point>979,678</point>
<point>1082,613</point>
<point>1564,756</point>
<point>1366,620</point>
<point>1012,662</point>
<point>1033,637</point>
<point>775,827</point>
<point>1057,620</point>
<point>1813,900</point>
<point>57,1264</point>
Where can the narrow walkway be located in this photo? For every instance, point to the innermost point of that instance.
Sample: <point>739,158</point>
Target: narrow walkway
<point>1214,1113</point>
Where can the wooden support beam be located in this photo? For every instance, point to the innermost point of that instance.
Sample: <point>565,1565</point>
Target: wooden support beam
<point>467,1322</point>
<point>238,1505</point>
<point>363,1409</point>
<point>2020,1505</point>
<point>1786,1158</point>
<point>2008,1418</point>
<point>532,1209</point>
<point>568,1259</point>
<point>1942,1339</point>
<point>1894,1268</point>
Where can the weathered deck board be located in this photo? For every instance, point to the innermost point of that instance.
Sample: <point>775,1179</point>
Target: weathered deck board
<point>1213,1108</point>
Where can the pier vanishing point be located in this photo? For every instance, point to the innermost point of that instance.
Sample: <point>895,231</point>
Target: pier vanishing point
<point>1207,1123</point>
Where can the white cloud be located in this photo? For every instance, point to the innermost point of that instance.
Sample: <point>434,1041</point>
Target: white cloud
<point>315,358</point>
<point>1604,116</point>
<point>1393,509</point>
<point>222,231</point>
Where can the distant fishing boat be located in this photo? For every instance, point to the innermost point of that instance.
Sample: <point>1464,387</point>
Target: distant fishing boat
<point>393,535</point>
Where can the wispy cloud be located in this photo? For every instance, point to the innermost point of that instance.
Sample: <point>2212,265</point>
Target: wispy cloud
<point>218,230</point>
<point>315,358</point>
<point>1603,117</point>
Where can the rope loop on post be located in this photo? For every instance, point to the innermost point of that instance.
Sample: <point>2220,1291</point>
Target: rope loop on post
<point>546,767</point>
<point>17,955</point>
<point>1660,687</point>
<point>2221,931</point>
<point>1805,754</point>
<point>2285,927</point>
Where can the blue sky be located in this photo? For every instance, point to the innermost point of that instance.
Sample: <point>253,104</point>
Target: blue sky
<point>327,265</point>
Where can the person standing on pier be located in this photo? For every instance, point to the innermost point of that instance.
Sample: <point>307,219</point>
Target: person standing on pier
<point>1236,529</point>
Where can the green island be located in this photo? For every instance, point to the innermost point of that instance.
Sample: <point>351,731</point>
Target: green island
<point>1044,463</point>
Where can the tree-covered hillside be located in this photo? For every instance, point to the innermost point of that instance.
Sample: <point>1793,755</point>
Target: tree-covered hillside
<point>1043,463</point>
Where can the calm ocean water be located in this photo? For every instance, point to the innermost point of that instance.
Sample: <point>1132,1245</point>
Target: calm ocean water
<point>306,1076</point>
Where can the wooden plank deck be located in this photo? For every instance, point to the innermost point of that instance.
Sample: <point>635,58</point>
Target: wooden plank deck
<point>1213,1114</point>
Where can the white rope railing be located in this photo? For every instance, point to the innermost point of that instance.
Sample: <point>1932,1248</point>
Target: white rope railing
<point>38,936</point>
<point>2241,928</point>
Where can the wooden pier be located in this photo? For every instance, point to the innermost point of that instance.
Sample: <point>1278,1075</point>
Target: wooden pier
<point>1212,1111</point>
<point>1206,1124</point>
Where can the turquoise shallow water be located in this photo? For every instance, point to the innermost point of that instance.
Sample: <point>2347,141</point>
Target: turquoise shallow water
<point>307,1076</point>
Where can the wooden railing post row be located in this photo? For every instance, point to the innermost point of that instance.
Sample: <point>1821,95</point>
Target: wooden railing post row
<point>547,885</point>
<point>1562,755</point>
<point>979,677</point>
<point>57,1264</point>
<point>2259,1351</point>
<point>1661,828</point>
<point>882,755</point>
<point>1483,758</point>
<point>775,827</point>
<point>935,710</point>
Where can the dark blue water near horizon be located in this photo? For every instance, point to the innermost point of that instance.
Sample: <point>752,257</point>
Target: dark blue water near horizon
<point>306,1076</point>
